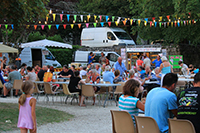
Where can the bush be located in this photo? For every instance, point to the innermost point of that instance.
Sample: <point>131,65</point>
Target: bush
<point>63,55</point>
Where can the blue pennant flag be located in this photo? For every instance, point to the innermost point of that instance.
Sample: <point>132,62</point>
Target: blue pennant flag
<point>68,17</point>
<point>146,19</point>
<point>102,23</point>
<point>106,18</point>
<point>155,24</point>
<point>57,26</point>
<point>178,24</point>
<point>12,26</point>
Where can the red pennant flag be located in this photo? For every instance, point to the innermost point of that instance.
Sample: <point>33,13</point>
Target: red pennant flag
<point>193,21</point>
<point>175,24</point>
<point>168,17</point>
<point>150,23</point>
<point>153,18</point>
<point>79,25</point>
<point>0,25</point>
<point>35,26</point>
<point>109,23</point>
<point>42,27</point>
<point>100,17</point>
<point>64,25</point>
<point>124,22</point>
<point>61,17</point>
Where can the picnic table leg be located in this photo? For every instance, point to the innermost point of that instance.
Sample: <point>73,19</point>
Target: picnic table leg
<point>106,97</point>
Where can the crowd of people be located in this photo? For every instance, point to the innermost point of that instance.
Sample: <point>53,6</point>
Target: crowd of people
<point>161,103</point>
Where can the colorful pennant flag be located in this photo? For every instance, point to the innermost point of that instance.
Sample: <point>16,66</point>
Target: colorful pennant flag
<point>146,19</point>
<point>6,26</point>
<point>61,17</point>
<point>79,26</point>
<point>100,17</point>
<point>155,24</point>
<point>109,23</point>
<point>68,15</point>
<point>171,24</point>
<point>168,16</point>
<point>124,22</point>
<point>87,24</point>
<point>106,18</point>
<point>54,17</point>
<point>81,18</point>
<point>175,23</point>
<point>153,18</point>
<point>160,24</point>
<point>42,27</point>
<point>131,21</point>
<point>35,26</point>
<point>47,17</point>
<point>0,25</point>
<point>72,26</point>
<point>150,23</point>
<point>88,18</point>
<point>49,27</point>
<point>64,26</point>
<point>95,24</point>
<point>102,23</point>
<point>12,26</point>
<point>113,18</point>
<point>57,26</point>
<point>178,24</point>
<point>116,22</point>
<point>160,18</point>
<point>75,17</point>
<point>139,22</point>
<point>95,17</point>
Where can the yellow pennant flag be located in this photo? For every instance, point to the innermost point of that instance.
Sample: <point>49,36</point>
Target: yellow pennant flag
<point>116,23</point>
<point>139,22</point>
<point>145,23</point>
<point>72,26</point>
<point>171,24</point>
<point>167,23</point>
<point>54,17</point>
<point>47,17</point>
<point>88,18</point>
<point>131,21</point>
<point>160,18</point>
<point>95,17</point>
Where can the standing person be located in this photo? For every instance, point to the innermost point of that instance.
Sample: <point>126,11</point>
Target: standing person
<point>98,69</point>
<point>3,63</point>
<point>91,57</point>
<point>161,102</point>
<point>146,62</point>
<point>27,115</point>
<point>129,101</point>
<point>120,66</point>
<point>188,103</point>
<point>11,77</point>
<point>184,68</point>
<point>157,61</point>
<point>102,59</point>
<point>32,76</point>
<point>73,85</point>
<point>108,76</point>
<point>41,73</point>
<point>139,61</point>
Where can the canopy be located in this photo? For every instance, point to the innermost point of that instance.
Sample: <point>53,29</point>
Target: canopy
<point>45,42</point>
<point>7,49</point>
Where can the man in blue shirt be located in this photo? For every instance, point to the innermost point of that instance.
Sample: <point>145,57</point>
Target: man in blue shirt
<point>157,61</point>
<point>91,58</point>
<point>108,75</point>
<point>161,102</point>
<point>120,66</point>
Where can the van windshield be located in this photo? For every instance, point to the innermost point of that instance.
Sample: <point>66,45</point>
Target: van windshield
<point>112,57</point>
<point>122,35</point>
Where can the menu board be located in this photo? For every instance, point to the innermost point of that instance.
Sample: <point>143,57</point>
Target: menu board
<point>174,59</point>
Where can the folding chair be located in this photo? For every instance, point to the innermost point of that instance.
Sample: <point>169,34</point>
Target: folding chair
<point>180,126</point>
<point>68,93</point>
<point>146,124</point>
<point>37,91</point>
<point>122,122</point>
<point>16,85</point>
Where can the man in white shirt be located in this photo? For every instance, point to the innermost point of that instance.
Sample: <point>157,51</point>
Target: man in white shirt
<point>146,62</point>
<point>83,72</point>
<point>98,69</point>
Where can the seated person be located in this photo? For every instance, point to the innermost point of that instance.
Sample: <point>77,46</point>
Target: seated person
<point>31,75</point>
<point>66,72</point>
<point>13,75</point>
<point>147,73</point>
<point>108,76</point>
<point>83,72</point>
<point>129,101</point>
<point>73,86</point>
<point>140,70</point>
<point>117,77</point>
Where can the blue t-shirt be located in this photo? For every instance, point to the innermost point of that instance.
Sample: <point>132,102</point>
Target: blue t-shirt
<point>108,76</point>
<point>157,63</point>
<point>142,71</point>
<point>129,104</point>
<point>121,67</point>
<point>90,59</point>
<point>196,71</point>
<point>158,104</point>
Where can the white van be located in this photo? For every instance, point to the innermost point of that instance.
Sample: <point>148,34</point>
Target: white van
<point>38,55</point>
<point>105,37</point>
<point>81,57</point>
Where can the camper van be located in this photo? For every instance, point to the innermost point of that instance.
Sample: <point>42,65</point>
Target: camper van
<point>38,55</point>
<point>105,37</point>
<point>81,57</point>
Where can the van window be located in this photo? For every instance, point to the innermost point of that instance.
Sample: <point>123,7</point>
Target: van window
<point>110,36</point>
<point>48,55</point>
<point>122,35</point>
<point>112,57</point>
<point>96,58</point>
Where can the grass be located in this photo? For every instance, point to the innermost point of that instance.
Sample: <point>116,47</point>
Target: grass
<point>9,111</point>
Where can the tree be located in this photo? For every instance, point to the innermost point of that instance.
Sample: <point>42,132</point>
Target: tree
<point>19,13</point>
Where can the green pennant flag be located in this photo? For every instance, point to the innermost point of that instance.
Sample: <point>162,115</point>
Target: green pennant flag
<point>113,18</point>
<point>6,26</point>
<point>95,24</point>
<point>75,17</point>
<point>181,22</point>
<point>160,24</point>
<point>49,26</point>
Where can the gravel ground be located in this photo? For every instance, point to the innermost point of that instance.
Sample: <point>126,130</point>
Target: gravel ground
<point>90,119</point>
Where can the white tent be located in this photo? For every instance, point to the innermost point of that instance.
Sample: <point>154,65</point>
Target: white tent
<point>45,42</point>
<point>7,49</point>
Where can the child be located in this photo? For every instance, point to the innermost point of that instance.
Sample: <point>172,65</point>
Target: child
<point>27,116</point>
<point>129,101</point>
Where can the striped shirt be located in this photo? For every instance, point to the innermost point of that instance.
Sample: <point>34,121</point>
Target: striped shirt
<point>129,104</point>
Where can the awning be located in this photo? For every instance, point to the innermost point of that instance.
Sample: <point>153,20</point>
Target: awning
<point>7,49</point>
<point>45,42</point>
